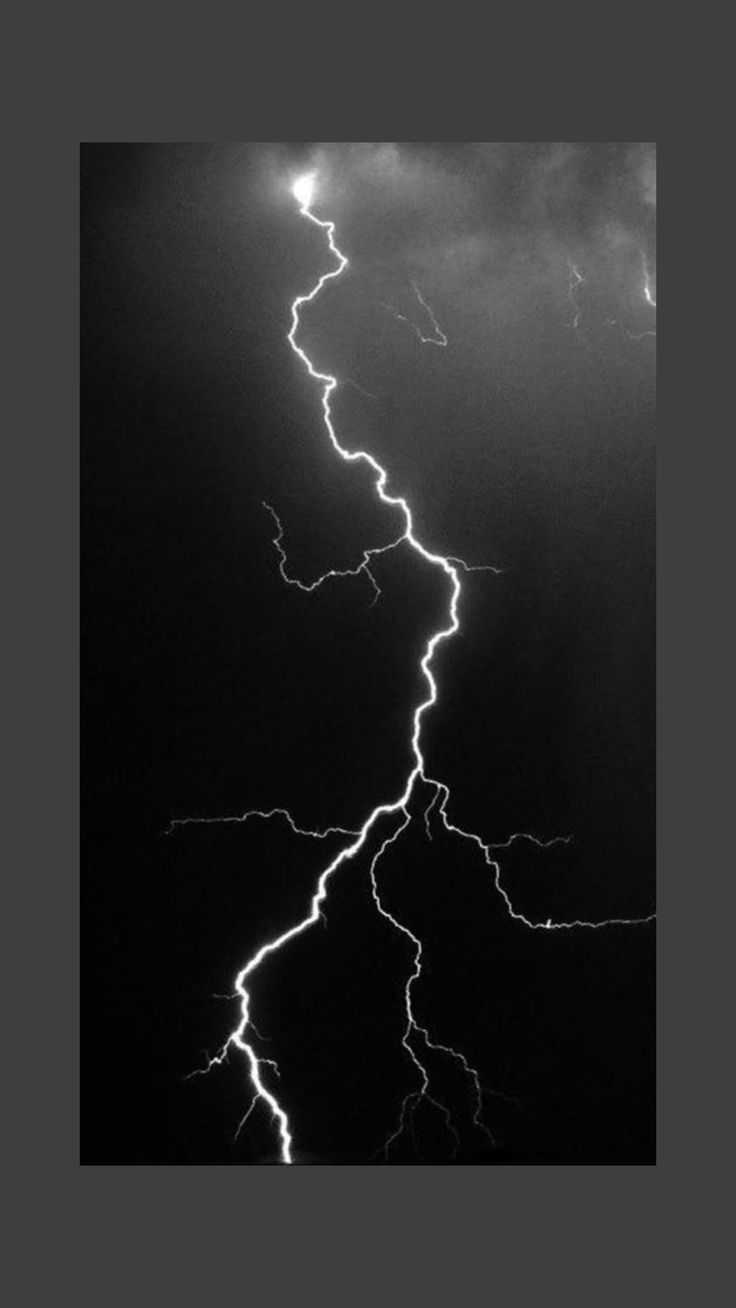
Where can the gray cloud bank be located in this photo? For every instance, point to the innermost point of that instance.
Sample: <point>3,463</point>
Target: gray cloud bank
<point>510,217</point>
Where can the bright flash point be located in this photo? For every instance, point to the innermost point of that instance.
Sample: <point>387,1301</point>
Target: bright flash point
<point>303,189</point>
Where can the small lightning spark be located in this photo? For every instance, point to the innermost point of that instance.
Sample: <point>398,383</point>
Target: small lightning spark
<point>414,1034</point>
<point>649,295</point>
<point>574,279</point>
<point>438,338</point>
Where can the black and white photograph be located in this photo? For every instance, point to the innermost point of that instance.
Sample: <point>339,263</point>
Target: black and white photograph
<point>368,630</point>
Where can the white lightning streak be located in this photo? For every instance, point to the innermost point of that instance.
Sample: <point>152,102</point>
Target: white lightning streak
<point>245,1117</point>
<point>439,337</point>
<point>348,381</point>
<point>535,840</point>
<point>574,279</point>
<point>486,848</point>
<point>412,1027</point>
<point>651,299</point>
<point>304,190</point>
<point>649,295</point>
<point>363,567</point>
<point>256,813</point>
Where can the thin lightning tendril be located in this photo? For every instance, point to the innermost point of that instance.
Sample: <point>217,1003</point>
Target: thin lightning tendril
<point>574,279</point>
<point>649,295</point>
<point>414,1034</point>
<point>439,337</point>
<point>363,567</point>
<point>255,813</point>
<point>486,848</point>
<point>651,299</point>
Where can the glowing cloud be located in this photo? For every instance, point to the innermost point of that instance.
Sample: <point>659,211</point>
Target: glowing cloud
<point>303,189</point>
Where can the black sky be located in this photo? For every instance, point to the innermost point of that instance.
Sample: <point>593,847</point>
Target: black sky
<point>211,687</point>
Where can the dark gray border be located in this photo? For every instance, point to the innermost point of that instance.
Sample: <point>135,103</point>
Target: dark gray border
<point>140,1231</point>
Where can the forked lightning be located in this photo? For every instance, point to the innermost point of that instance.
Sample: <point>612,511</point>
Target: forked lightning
<point>416,1039</point>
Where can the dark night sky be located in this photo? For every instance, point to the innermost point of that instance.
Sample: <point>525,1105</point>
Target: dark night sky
<point>210,687</point>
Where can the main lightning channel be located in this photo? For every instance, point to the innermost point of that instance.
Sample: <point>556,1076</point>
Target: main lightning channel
<point>303,191</point>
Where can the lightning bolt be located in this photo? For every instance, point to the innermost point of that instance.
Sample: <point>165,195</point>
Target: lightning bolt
<point>416,1039</point>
